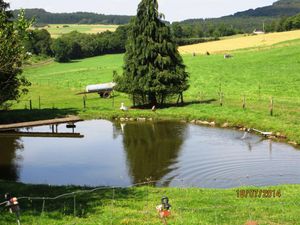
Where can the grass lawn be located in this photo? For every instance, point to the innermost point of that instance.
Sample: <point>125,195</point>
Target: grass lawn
<point>137,206</point>
<point>256,74</point>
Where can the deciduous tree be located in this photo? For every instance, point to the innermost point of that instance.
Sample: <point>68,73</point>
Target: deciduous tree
<point>12,54</point>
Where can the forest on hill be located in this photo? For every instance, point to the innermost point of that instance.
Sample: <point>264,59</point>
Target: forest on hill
<point>43,17</point>
<point>269,18</point>
<point>263,18</point>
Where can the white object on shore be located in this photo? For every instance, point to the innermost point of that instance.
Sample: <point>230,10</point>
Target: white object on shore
<point>123,108</point>
<point>100,87</point>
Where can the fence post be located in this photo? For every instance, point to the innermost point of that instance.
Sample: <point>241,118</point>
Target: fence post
<point>84,101</point>
<point>43,206</point>
<point>244,102</point>
<point>74,205</point>
<point>112,204</point>
<point>221,98</point>
<point>272,106</point>
<point>113,99</point>
<point>39,102</point>
<point>30,104</point>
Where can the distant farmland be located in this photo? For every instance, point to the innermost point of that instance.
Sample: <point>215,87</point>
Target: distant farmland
<point>57,30</point>
<point>239,42</point>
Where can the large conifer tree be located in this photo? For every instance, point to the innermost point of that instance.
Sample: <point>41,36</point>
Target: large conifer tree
<point>153,68</point>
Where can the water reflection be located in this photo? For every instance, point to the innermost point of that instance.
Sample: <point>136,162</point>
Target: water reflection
<point>9,158</point>
<point>122,154</point>
<point>151,148</point>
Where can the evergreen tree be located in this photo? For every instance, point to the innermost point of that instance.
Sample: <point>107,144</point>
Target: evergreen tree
<point>153,68</point>
<point>12,54</point>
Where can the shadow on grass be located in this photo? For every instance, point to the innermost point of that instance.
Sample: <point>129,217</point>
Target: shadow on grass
<point>24,115</point>
<point>169,105</point>
<point>85,202</point>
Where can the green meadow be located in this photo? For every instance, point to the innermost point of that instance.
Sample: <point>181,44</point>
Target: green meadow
<point>256,75</point>
<point>138,206</point>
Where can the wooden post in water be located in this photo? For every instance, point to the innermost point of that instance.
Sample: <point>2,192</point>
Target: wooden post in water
<point>272,106</point>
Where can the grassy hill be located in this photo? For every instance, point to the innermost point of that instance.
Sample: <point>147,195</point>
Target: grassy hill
<point>258,75</point>
<point>240,42</point>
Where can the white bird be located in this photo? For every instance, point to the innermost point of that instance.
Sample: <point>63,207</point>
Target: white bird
<point>123,108</point>
<point>153,108</point>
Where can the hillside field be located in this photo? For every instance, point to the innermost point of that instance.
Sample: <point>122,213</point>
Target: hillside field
<point>254,75</point>
<point>240,42</point>
<point>57,30</point>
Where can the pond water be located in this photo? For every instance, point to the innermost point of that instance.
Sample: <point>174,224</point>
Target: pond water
<point>172,154</point>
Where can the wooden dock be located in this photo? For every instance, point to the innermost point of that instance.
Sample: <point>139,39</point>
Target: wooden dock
<point>14,126</point>
<point>41,134</point>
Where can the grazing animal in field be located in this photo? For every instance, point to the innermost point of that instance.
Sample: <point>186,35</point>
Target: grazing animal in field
<point>227,56</point>
<point>123,108</point>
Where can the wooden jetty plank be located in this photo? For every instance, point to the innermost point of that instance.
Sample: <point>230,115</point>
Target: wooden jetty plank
<point>71,119</point>
<point>42,134</point>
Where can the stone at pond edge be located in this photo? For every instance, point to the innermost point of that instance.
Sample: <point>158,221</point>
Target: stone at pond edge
<point>225,125</point>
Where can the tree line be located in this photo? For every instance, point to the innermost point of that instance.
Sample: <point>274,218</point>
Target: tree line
<point>284,24</point>
<point>76,45</point>
<point>272,17</point>
<point>43,17</point>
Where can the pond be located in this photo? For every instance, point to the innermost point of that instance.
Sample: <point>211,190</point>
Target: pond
<point>171,153</point>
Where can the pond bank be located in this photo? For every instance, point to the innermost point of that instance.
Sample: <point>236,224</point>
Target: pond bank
<point>273,135</point>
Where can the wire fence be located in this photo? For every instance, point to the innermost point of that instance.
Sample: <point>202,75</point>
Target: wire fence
<point>270,105</point>
<point>237,205</point>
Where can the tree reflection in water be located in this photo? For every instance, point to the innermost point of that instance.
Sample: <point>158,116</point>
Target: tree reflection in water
<point>151,148</point>
<point>9,159</point>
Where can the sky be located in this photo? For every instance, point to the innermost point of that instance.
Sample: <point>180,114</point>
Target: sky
<point>174,10</point>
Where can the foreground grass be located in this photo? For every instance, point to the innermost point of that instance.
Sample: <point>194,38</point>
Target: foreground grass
<point>257,75</point>
<point>137,206</point>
